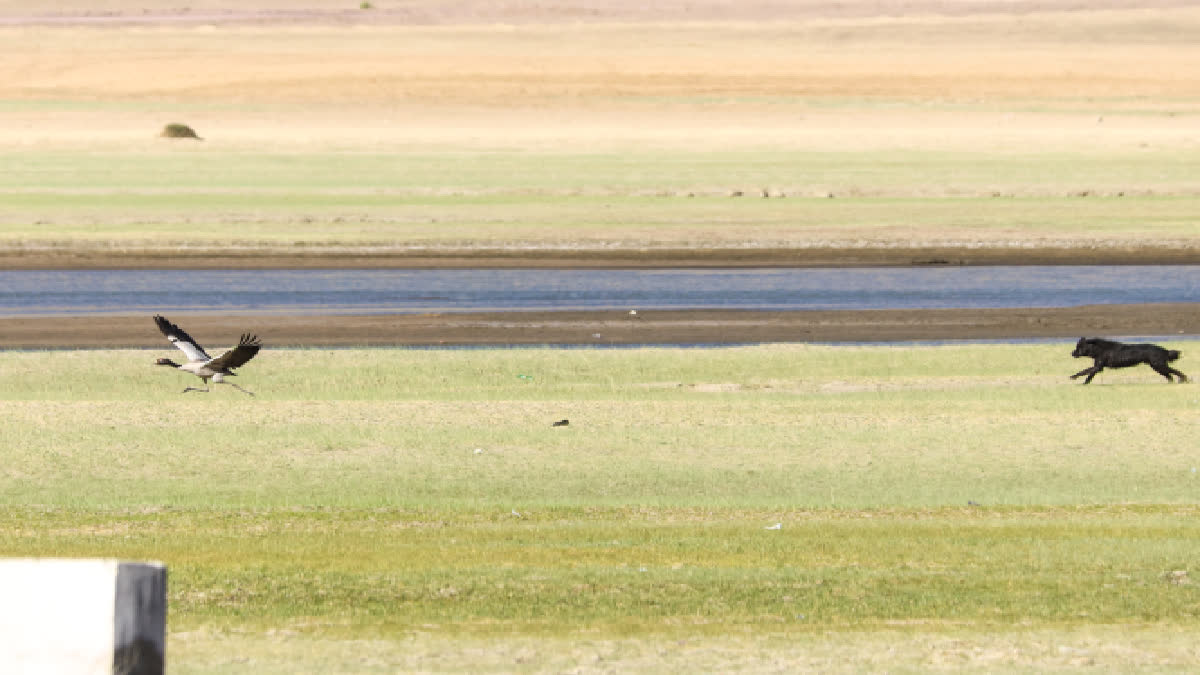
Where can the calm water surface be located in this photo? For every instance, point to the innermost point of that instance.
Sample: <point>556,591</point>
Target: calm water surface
<point>28,293</point>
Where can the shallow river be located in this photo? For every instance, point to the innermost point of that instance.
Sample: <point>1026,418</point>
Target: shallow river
<point>384,291</point>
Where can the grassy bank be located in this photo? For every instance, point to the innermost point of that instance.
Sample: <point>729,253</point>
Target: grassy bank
<point>96,199</point>
<point>417,509</point>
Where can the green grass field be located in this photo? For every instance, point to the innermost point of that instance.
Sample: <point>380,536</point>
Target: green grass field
<point>218,195</point>
<point>383,510</point>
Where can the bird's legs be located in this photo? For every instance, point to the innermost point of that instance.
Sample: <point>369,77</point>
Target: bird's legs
<point>244,391</point>
<point>204,390</point>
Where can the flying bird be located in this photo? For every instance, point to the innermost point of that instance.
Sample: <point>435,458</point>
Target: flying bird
<point>202,365</point>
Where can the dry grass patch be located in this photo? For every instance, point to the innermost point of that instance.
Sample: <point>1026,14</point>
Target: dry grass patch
<point>1112,55</point>
<point>930,646</point>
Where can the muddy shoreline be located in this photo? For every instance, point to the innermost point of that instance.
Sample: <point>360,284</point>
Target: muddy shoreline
<point>605,328</point>
<point>891,254</point>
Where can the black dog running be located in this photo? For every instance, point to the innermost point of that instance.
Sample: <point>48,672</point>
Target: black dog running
<point>1112,354</point>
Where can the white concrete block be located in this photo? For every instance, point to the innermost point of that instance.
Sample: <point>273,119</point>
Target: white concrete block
<point>60,615</point>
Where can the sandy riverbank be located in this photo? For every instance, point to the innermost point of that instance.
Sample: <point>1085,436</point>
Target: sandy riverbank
<point>612,327</point>
<point>987,253</point>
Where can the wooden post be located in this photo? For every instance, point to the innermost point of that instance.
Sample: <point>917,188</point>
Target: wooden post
<point>60,615</point>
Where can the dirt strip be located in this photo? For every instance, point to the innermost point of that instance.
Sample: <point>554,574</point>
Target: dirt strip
<point>437,12</point>
<point>1029,253</point>
<point>610,327</point>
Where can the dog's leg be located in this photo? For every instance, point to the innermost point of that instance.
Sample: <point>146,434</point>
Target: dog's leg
<point>1164,370</point>
<point>1091,372</point>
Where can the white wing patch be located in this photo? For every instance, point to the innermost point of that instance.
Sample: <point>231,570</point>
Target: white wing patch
<point>186,343</point>
<point>193,352</point>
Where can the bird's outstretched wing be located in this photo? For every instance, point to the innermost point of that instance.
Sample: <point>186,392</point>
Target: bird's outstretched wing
<point>186,344</point>
<point>245,350</point>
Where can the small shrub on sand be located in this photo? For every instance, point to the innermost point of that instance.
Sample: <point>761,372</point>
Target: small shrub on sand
<point>179,131</point>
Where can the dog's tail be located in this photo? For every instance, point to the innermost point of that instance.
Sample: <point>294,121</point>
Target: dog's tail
<point>1173,354</point>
